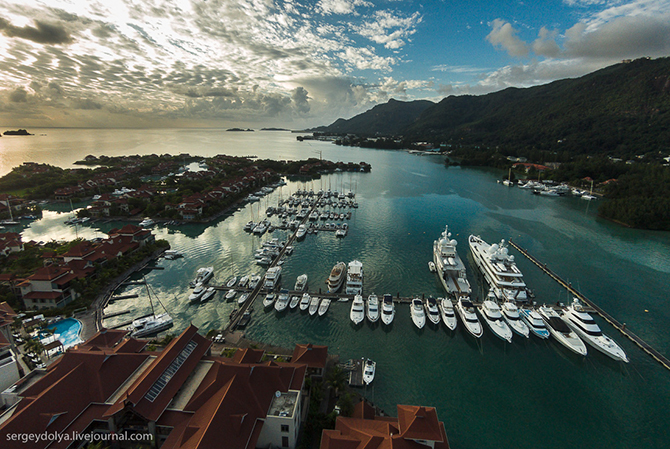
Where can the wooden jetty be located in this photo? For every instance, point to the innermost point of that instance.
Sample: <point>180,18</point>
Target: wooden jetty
<point>355,368</point>
<point>114,298</point>
<point>660,358</point>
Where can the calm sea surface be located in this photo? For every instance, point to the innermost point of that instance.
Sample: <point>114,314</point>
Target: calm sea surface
<point>527,394</point>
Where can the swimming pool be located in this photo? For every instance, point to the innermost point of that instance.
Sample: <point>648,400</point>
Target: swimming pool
<point>67,331</point>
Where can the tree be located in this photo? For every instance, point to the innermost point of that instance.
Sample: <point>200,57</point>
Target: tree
<point>337,380</point>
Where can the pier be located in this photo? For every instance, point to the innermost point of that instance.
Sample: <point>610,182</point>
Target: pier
<point>660,358</point>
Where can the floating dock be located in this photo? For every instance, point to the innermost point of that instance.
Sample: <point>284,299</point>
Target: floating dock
<point>660,358</point>
<point>355,369</point>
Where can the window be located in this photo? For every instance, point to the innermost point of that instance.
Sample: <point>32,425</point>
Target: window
<point>284,441</point>
<point>284,428</point>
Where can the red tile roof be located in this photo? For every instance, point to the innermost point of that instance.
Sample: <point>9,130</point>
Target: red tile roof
<point>248,355</point>
<point>7,314</point>
<point>48,273</point>
<point>314,356</point>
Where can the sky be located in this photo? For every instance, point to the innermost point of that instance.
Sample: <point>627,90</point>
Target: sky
<point>295,64</point>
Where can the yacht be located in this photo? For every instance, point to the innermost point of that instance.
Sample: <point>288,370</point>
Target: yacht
<point>203,275</point>
<point>323,307</point>
<point>369,371</point>
<point>336,277</point>
<point>295,300</point>
<point>269,300</point>
<point>243,298</point>
<point>254,280</point>
<point>172,254</point>
<point>304,302</point>
<point>511,315</point>
<point>418,313</point>
<point>272,277</point>
<point>433,311</point>
<point>313,305</point>
<point>447,312</point>
<point>150,325</point>
<point>209,293</point>
<point>302,231</point>
<point>249,226</point>
<point>561,331</point>
<point>499,269</point>
<point>357,313</point>
<point>490,312</point>
<point>282,301</point>
<point>355,278</point>
<point>197,293</point>
<point>244,280</point>
<point>584,325</point>
<point>300,283</point>
<point>534,322</point>
<point>230,294</point>
<point>230,283</point>
<point>388,309</point>
<point>466,310</point>
<point>146,223</point>
<point>449,266</point>
<point>372,309</point>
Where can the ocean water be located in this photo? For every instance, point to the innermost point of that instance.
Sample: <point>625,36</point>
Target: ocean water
<point>527,394</point>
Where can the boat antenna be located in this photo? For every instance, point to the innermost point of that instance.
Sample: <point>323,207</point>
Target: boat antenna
<point>149,291</point>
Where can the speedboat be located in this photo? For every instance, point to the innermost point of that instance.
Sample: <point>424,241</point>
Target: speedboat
<point>243,298</point>
<point>282,301</point>
<point>431,266</point>
<point>230,283</point>
<point>244,280</point>
<point>269,300</point>
<point>355,278</point>
<point>433,311</point>
<point>490,312</point>
<point>209,293</point>
<point>466,310</point>
<point>388,309</point>
<point>313,305</point>
<point>254,280</point>
<point>323,307</point>
<point>295,300</point>
<point>372,309</point>
<point>561,331</point>
<point>510,313</point>
<point>447,312</point>
<point>230,294</point>
<point>146,223</point>
<point>197,293</point>
<point>584,325</point>
<point>203,275</point>
<point>418,313</point>
<point>369,371</point>
<point>534,322</point>
<point>357,313</point>
<point>336,277</point>
<point>300,283</point>
<point>304,302</point>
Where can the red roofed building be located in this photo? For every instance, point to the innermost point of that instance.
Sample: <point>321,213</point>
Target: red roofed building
<point>10,242</point>
<point>48,287</point>
<point>415,428</point>
<point>313,356</point>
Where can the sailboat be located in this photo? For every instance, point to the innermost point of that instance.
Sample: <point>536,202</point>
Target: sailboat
<point>590,196</point>
<point>150,324</point>
<point>508,182</point>
<point>11,221</point>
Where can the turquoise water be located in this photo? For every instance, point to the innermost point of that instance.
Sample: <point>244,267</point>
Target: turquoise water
<point>526,394</point>
<point>67,331</point>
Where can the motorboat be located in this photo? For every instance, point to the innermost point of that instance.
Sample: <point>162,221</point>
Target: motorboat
<point>418,313</point>
<point>203,275</point>
<point>449,266</point>
<point>243,298</point>
<point>282,301</point>
<point>146,223</point>
<point>244,280</point>
<point>369,371</point>
<point>466,310</point>
<point>499,269</point>
<point>172,254</point>
<point>323,307</point>
<point>447,313</point>
<point>512,317</point>
<point>249,226</point>
<point>301,232</point>
<point>388,309</point>
<point>341,233</point>
<point>150,325</point>
<point>490,312</point>
<point>230,294</point>
<point>561,331</point>
<point>295,300</point>
<point>209,293</point>
<point>583,324</point>
<point>534,322</point>
<point>431,266</point>
<point>300,283</point>
<point>336,277</point>
<point>230,283</point>
<point>272,278</point>
<point>372,309</point>
<point>314,305</point>
<point>354,278</point>
<point>197,293</point>
<point>254,279</point>
<point>357,313</point>
<point>269,300</point>
<point>432,310</point>
<point>304,302</point>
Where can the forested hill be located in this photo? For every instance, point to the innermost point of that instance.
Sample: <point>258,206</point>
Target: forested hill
<point>383,119</point>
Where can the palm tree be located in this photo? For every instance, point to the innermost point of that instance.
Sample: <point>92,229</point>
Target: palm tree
<point>337,379</point>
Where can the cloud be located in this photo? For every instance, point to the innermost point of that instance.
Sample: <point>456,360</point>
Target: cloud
<point>389,29</point>
<point>300,100</point>
<point>457,69</point>
<point>504,35</point>
<point>18,95</point>
<point>545,44</point>
<point>328,7</point>
<point>41,33</point>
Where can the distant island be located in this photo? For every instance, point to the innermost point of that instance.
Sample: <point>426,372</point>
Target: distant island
<point>275,129</point>
<point>18,132</point>
<point>240,129</point>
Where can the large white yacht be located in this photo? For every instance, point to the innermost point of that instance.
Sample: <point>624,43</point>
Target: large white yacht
<point>150,325</point>
<point>534,322</point>
<point>560,331</point>
<point>466,310</point>
<point>300,283</point>
<point>336,277</point>
<point>490,312</point>
<point>432,311</point>
<point>388,309</point>
<point>447,312</point>
<point>272,277</point>
<point>511,315</point>
<point>282,301</point>
<point>355,278</point>
<point>584,325</point>
<point>499,269</point>
<point>369,371</point>
<point>357,313</point>
<point>449,266</point>
<point>372,309</point>
<point>197,293</point>
<point>418,313</point>
<point>203,275</point>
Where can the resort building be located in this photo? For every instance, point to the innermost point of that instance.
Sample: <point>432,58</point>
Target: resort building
<point>414,428</point>
<point>181,397</point>
<point>9,365</point>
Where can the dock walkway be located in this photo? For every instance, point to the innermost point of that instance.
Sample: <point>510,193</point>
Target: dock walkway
<point>660,358</point>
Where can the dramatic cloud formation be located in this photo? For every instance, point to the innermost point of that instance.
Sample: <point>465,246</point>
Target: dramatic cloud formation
<point>42,33</point>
